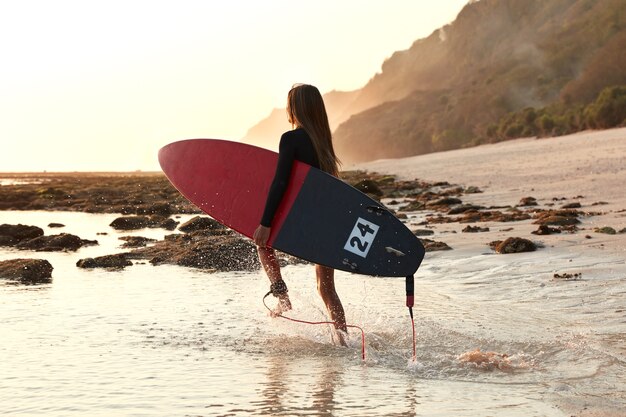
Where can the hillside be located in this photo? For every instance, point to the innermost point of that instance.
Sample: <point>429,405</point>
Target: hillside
<point>473,80</point>
<point>267,132</point>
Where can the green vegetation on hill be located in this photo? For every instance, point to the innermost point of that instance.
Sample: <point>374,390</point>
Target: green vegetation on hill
<point>502,69</point>
<point>607,111</point>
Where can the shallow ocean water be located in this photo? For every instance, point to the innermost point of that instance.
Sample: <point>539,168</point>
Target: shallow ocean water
<point>167,340</point>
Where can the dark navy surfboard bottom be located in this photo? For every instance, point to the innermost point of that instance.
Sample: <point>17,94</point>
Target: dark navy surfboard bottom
<point>333,224</point>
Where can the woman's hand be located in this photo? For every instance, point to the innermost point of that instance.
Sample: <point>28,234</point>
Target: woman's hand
<point>261,235</point>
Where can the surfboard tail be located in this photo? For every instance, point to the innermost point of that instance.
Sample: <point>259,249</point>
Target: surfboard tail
<point>410,284</point>
<point>410,280</point>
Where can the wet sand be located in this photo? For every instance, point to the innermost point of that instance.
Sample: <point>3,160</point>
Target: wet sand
<point>587,165</point>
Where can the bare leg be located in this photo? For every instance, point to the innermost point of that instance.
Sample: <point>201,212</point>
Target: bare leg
<point>268,259</point>
<point>326,289</point>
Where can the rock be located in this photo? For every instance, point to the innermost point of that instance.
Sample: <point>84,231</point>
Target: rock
<point>413,206</point>
<point>55,243</point>
<point>445,201</point>
<point>118,261</point>
<point>527,201</point>
<point>622,230</point>
<point>32,238</point>
<point>571,205</point>
<point>432,245</point>
<point>423,232</point>
<point>135,241</point>
<point>607,230</point>
<point>11,235</point>
<point>557,217</point>
<point>130,223</point>
<point>513,245</point>
<point>545,230</point>
<point>557,221</point>
<point>472,190</point>
<point>202,249</point>
<point>31,271</point>
<point>569,229</point>
<point>474,216</point>
<point>463,208</point>
<point>439,219</point>
<point>7,241</point>
<point>452,191</point>
<point>163,209</point>
<point>200,223</point>
<point>56,225</point>
<point>567,276</point>
<point>474,229</point>
<point>142,222</point>
<point>168,224</point>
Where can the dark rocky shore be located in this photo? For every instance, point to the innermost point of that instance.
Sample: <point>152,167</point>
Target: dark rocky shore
<point>149,201</point>
<point>133,193</point>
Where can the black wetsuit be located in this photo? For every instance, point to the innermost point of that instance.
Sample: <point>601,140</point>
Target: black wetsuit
<point>294,145</point>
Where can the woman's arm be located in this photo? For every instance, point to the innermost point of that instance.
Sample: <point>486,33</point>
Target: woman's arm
<point>286,157</point>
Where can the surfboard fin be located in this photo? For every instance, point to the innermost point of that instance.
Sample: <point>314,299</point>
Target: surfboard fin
<point>394,251</point>
<point>377,209</point>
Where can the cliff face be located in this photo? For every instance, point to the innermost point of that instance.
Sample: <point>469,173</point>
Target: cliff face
<point>499,56</point>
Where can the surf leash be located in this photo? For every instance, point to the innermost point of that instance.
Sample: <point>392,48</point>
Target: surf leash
<point>409,284</point>
<point>318,322</point>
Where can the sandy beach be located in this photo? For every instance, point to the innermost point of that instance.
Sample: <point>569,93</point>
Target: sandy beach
<point>587,167</point>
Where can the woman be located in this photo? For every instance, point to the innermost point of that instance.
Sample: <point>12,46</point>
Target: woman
<point>311,143</point>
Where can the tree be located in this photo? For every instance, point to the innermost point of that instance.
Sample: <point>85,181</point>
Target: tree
<point>609,109</point>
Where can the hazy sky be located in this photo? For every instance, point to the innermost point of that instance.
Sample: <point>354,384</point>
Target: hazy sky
<point>102,85</point>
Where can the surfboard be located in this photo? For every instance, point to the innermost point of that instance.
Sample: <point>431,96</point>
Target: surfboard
<point>321,219</point>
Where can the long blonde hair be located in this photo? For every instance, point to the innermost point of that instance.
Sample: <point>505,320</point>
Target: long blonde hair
<point>305,108</point>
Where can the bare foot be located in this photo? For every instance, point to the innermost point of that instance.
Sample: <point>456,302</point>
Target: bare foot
<point>339,337</point>
<point>283,305</point>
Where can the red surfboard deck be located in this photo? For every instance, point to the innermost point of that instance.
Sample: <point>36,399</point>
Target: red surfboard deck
<point>321,219</point>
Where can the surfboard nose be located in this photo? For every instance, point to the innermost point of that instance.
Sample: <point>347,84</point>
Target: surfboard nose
<point>178,158</point>
<point>169,153</point>
<point>162,156</point>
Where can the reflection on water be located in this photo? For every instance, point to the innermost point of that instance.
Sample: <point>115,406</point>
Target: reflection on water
<point>16,181</point>
<point>278,394</point>
<point>176,341</point>
<point>276,388</point>
<point>42,283</point>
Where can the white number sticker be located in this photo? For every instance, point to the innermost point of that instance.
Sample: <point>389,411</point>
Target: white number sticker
<point>361,238</point>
